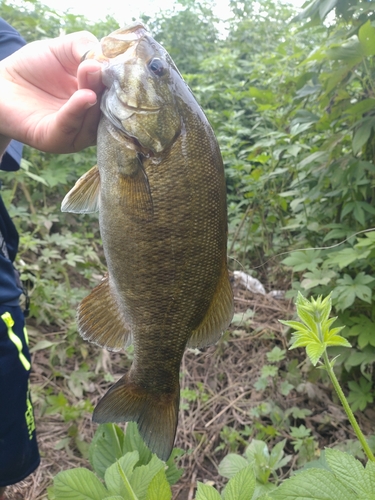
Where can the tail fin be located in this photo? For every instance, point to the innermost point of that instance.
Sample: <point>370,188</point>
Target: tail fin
<point>155,414</point>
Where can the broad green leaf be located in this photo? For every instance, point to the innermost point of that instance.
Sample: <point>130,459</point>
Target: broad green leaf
<point>348,469</point>
<point>118,475</point>
<point>143,475</point>
<point>369,479</point>
<point>366,35</point>
<point>106,447</point>
<point>159,488</point>
<point>360,137</point>
<point>78,484</point>
<point>206,492</point>
<point>313,484</point>
<point>133,441</point>
<point>361,107</point>
<point>231,464</point>
<point>115,497</point>
<point>349,53</point>
<point>241,486</point>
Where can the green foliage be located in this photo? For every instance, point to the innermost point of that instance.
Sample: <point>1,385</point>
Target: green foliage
<point>336,474</point>
<point>129,470</point>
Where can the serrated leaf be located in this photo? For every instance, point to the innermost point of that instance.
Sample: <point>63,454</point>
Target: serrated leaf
<point>143,475</point>
<point>313,484</point>
<point>78,484</point>
<point>206,492</point>
<point>231,464</point>
<point>106,447</point>
<point>159,488</point>
<point>241,486</point>
<point>369,478</point>
<point>315,351</point>
<point>172,473</point>
<point>133,441</point>
<point>117,477</point>
<point>347,468</point>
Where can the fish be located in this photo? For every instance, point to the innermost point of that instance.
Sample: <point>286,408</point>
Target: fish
<point>159,187</point>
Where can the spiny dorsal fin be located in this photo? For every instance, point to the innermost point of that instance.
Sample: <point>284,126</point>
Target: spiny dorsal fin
<point>84,197</point>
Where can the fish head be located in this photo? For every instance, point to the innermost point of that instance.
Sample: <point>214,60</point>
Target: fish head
<point>142,89</point>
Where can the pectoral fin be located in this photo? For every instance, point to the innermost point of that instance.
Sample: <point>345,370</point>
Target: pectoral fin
<point>101,320</point>
<point>218,316</point>
<point>135,192</point>
<point>83,198</point>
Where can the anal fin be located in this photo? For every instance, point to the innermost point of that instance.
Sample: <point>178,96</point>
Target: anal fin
<point>155,414</point>
<point>101,321</point>
<point>218,316</point>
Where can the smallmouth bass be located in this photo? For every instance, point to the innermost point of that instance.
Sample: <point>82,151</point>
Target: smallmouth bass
<point>160,190</point>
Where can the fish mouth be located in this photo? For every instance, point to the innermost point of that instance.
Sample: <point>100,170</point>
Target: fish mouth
<point>143,109</point>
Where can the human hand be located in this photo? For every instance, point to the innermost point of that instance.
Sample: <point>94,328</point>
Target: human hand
<point>49,99</point>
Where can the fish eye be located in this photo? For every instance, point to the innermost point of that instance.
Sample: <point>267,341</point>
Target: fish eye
<point>156,66</point>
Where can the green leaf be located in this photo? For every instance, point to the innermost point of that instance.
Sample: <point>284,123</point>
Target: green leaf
<point>315,351</point>
<point>117,476</point>
<point>78,484</point>
<point>346,468</point>
<point>106,447</point>
<point>241,486</point>
<point>172,473</point>
<point>369,479</point>
<point>133,441</point>
<point>360,137</point>
<point>302,260</point>
<point>206,492</point>
<point>143,475</point>
<point>231,464</point>
<point>360,394</point>
<point>159,488</point>
<point>313,484</point>
<point>366,35</point>
<point>277,454</point>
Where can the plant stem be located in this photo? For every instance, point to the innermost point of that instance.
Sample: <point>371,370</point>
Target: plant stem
<point>347,408</point>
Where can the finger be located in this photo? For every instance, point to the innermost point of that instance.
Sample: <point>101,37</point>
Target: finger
<point>71,129</point>
<point>89,76</point>
<point>70,49</point>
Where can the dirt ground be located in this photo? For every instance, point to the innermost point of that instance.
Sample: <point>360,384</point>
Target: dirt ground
<point>225,373</point>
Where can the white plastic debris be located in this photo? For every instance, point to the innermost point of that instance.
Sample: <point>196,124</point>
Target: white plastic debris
<point>255,286</point>
<point>250,283</point>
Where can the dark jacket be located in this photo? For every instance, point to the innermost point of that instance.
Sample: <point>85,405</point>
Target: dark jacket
<point>10,41</point>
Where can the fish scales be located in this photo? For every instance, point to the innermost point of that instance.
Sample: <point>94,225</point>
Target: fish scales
<point>162,216</point>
